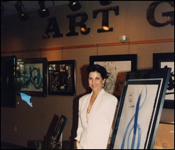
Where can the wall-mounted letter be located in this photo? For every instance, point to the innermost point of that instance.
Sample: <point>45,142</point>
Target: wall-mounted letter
<point>55,29</point>
<point>105,15</point>
<point>73,23</point>
<point>151,10</point>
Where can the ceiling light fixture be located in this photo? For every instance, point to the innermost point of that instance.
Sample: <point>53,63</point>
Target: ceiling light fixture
<point>105,2</point>
<point>43,11</point>
<point>74,5</point>
<point>23,16</point>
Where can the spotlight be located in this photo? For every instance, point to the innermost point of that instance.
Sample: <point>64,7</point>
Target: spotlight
<point>83,29</point>
<point>23,16</point>
<point>105,2</point>
<point>43,11</point>
<point>106,28</point>
<point>74,5</point>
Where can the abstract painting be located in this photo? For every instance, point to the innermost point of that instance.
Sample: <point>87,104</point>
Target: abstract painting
<point>139,109</point>
<point>61,77</point>
<point>116,66</point>
<point>32,76</point>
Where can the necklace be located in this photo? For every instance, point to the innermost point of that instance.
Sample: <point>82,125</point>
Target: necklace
<point>91,103</point>
<point>88,111</point>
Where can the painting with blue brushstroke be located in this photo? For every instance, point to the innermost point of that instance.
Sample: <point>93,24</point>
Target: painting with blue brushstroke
<point>134,122</point>
<point>31,78</point>
<point>26,98</point>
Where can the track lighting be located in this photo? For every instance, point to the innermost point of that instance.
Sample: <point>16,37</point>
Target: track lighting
<point>43,11</point>
<point>105,2</point>
<point>74,5</point>
<point>21,14</point>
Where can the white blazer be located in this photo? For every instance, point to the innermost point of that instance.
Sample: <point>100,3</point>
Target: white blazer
<point>94,134</point>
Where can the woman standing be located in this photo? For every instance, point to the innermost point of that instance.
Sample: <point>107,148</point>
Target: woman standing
<point>96,112</point>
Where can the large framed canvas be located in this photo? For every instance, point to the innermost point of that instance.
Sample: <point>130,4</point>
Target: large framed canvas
<point>161,60</point>
<point>32,76</point>
<point>62,77</point>
<point>139,110</point>
<point>116,66</point>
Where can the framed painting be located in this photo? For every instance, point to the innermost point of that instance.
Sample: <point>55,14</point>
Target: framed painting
<point>162,60</point>
<point>62,77</point>
<point>8,81</point>
<point>116,66</point>
<point>139,110</point>
<point>55,142</point>
<point>32,76</point>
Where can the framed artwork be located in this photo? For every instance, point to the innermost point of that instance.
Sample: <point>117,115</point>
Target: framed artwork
<point>139,110</point>
<point>32,76</point>
<point>116,66</point>
<point>162,60</point>
<point>8,81</point>
<point>54,143</point>
<point>62,77</point>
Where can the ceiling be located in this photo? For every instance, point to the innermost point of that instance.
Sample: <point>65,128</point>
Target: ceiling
<point>9,6</point>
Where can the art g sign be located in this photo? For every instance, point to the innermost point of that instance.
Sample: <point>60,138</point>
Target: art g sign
<point>151,14</point>
<point>53,26</point>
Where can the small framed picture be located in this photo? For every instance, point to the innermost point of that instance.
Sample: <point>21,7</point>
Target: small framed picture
<point>61,77</point>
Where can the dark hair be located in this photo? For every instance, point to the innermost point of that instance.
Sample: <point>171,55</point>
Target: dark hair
<point>99,69</point>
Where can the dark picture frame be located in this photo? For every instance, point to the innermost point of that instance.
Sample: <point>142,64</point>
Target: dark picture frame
<point>8,81</point>
<point>32,76</point>
<point>62,77</point>
<point>139,111</point>
<point>161,60</point>
<point>116,66</point>
<point>54,143</point>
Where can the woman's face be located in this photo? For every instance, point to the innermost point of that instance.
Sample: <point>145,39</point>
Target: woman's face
<point>95,81</point>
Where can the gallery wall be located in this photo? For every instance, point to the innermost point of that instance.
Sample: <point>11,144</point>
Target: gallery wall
<point>24,124</point>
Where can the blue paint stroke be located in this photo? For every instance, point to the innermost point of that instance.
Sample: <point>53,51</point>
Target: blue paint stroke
<point>135,127</point>
<point>26,98</point>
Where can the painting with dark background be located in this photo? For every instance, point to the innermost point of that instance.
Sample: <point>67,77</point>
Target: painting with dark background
<point>61,76</point>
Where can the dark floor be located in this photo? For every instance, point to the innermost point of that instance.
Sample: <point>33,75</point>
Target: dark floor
<point>4,145</point>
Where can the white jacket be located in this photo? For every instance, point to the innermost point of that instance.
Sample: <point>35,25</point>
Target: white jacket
<point>95,133</point>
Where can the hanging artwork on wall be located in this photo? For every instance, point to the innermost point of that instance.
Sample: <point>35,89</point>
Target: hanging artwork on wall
<point>32,76</point>
<point>140,109</point>
<point>8,81</point>
<point>62,77</point>
<point>116,66</point>
<point>162,60</point>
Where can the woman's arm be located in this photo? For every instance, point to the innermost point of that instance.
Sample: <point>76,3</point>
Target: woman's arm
<point>79,129</point>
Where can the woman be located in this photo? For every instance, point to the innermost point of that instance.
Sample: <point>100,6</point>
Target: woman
<point>96,112</point>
